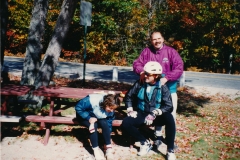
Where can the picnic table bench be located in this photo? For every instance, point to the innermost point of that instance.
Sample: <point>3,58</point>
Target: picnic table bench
<point>55,93</point>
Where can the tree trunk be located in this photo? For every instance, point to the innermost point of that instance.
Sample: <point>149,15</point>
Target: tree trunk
<point>54,48</point>
<point>34,46</point>
<point>4,20</point>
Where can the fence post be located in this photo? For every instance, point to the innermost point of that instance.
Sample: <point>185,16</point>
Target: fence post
<point>182,80</point>
<point>115,74</point>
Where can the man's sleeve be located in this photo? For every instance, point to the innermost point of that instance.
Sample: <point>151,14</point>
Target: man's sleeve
<point>139,63</point>
<point>177,67</point>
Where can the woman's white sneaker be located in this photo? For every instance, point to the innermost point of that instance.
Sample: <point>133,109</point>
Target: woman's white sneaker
<point>171,156</point>
<point>145,148</point>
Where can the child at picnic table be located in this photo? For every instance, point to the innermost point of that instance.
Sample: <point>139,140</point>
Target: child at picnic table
<point>150,103</point>
<point>97,110</point>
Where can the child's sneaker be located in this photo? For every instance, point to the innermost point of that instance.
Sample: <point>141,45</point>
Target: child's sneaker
<point>109,154</point>
<point>145,148</point>
<point>171,156</point>
<point>97,154</point>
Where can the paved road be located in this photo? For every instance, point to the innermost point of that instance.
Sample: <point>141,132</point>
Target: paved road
<point>125,74</point>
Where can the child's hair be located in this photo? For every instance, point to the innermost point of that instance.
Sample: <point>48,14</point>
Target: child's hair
<point>112,101</point>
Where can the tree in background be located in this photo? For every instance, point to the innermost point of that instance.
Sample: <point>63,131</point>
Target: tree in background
<point>18,26</point>
<point>4,21</point>
<point>218,37</point>
<point>53,51</point>
<point>110,33</point>
<point>206,33</point>
<point>32,73</point>
<point>34,47</point>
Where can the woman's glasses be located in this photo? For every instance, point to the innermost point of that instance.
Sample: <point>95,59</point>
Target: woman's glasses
<point>148,74</point>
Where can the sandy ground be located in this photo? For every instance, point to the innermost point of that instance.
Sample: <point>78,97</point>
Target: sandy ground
<point>209,91</point>
<point>16,148</point>
<point>31,148</point>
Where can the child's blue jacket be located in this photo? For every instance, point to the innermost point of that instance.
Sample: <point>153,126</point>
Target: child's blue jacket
<point>89,107</point>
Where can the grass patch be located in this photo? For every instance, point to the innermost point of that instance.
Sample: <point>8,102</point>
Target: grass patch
<point>213,135</point>
<point>67,107</point>
<point>69,111</point>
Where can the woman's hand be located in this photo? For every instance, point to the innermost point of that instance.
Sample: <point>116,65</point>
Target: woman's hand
<point>92,120</point>
<point>163,80</point>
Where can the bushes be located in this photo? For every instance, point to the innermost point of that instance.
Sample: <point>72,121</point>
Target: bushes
<point>205,33</point>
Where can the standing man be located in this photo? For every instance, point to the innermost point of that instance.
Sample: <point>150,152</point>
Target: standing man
<point>170,61</point>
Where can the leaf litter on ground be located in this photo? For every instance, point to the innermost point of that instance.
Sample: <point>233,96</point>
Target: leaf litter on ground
<point>207,126</point>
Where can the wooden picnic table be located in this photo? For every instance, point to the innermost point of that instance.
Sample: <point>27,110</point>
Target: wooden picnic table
<point>12,90</point>
<point>54,93</point>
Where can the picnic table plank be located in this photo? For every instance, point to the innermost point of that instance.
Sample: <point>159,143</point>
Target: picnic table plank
<point>66,92</point>
<point>12,90</point>
<point>15,90</point>
<point>60,119</point>
<point>6,118</point>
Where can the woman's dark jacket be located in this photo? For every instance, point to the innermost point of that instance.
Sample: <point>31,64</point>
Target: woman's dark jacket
<point>131,98</point>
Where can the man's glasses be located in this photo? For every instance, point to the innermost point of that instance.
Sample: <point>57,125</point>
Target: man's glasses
<point>148,74</point>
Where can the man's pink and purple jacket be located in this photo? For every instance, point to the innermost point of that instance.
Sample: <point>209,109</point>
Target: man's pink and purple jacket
<point>169,59</point>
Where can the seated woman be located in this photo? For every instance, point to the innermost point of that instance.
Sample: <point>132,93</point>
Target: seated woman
<point>97,110</point>
<point>153,105</point>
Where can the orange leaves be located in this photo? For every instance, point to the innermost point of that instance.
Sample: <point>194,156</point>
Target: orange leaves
<point>189,22</point>
<point>211,130</point>
<point>178,45</point>
<point>10,34</point>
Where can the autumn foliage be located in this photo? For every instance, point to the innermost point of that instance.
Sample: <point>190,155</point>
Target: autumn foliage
<point>206,33</point>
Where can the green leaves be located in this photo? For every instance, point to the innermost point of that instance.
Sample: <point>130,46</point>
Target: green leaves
<point>208,31</point>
